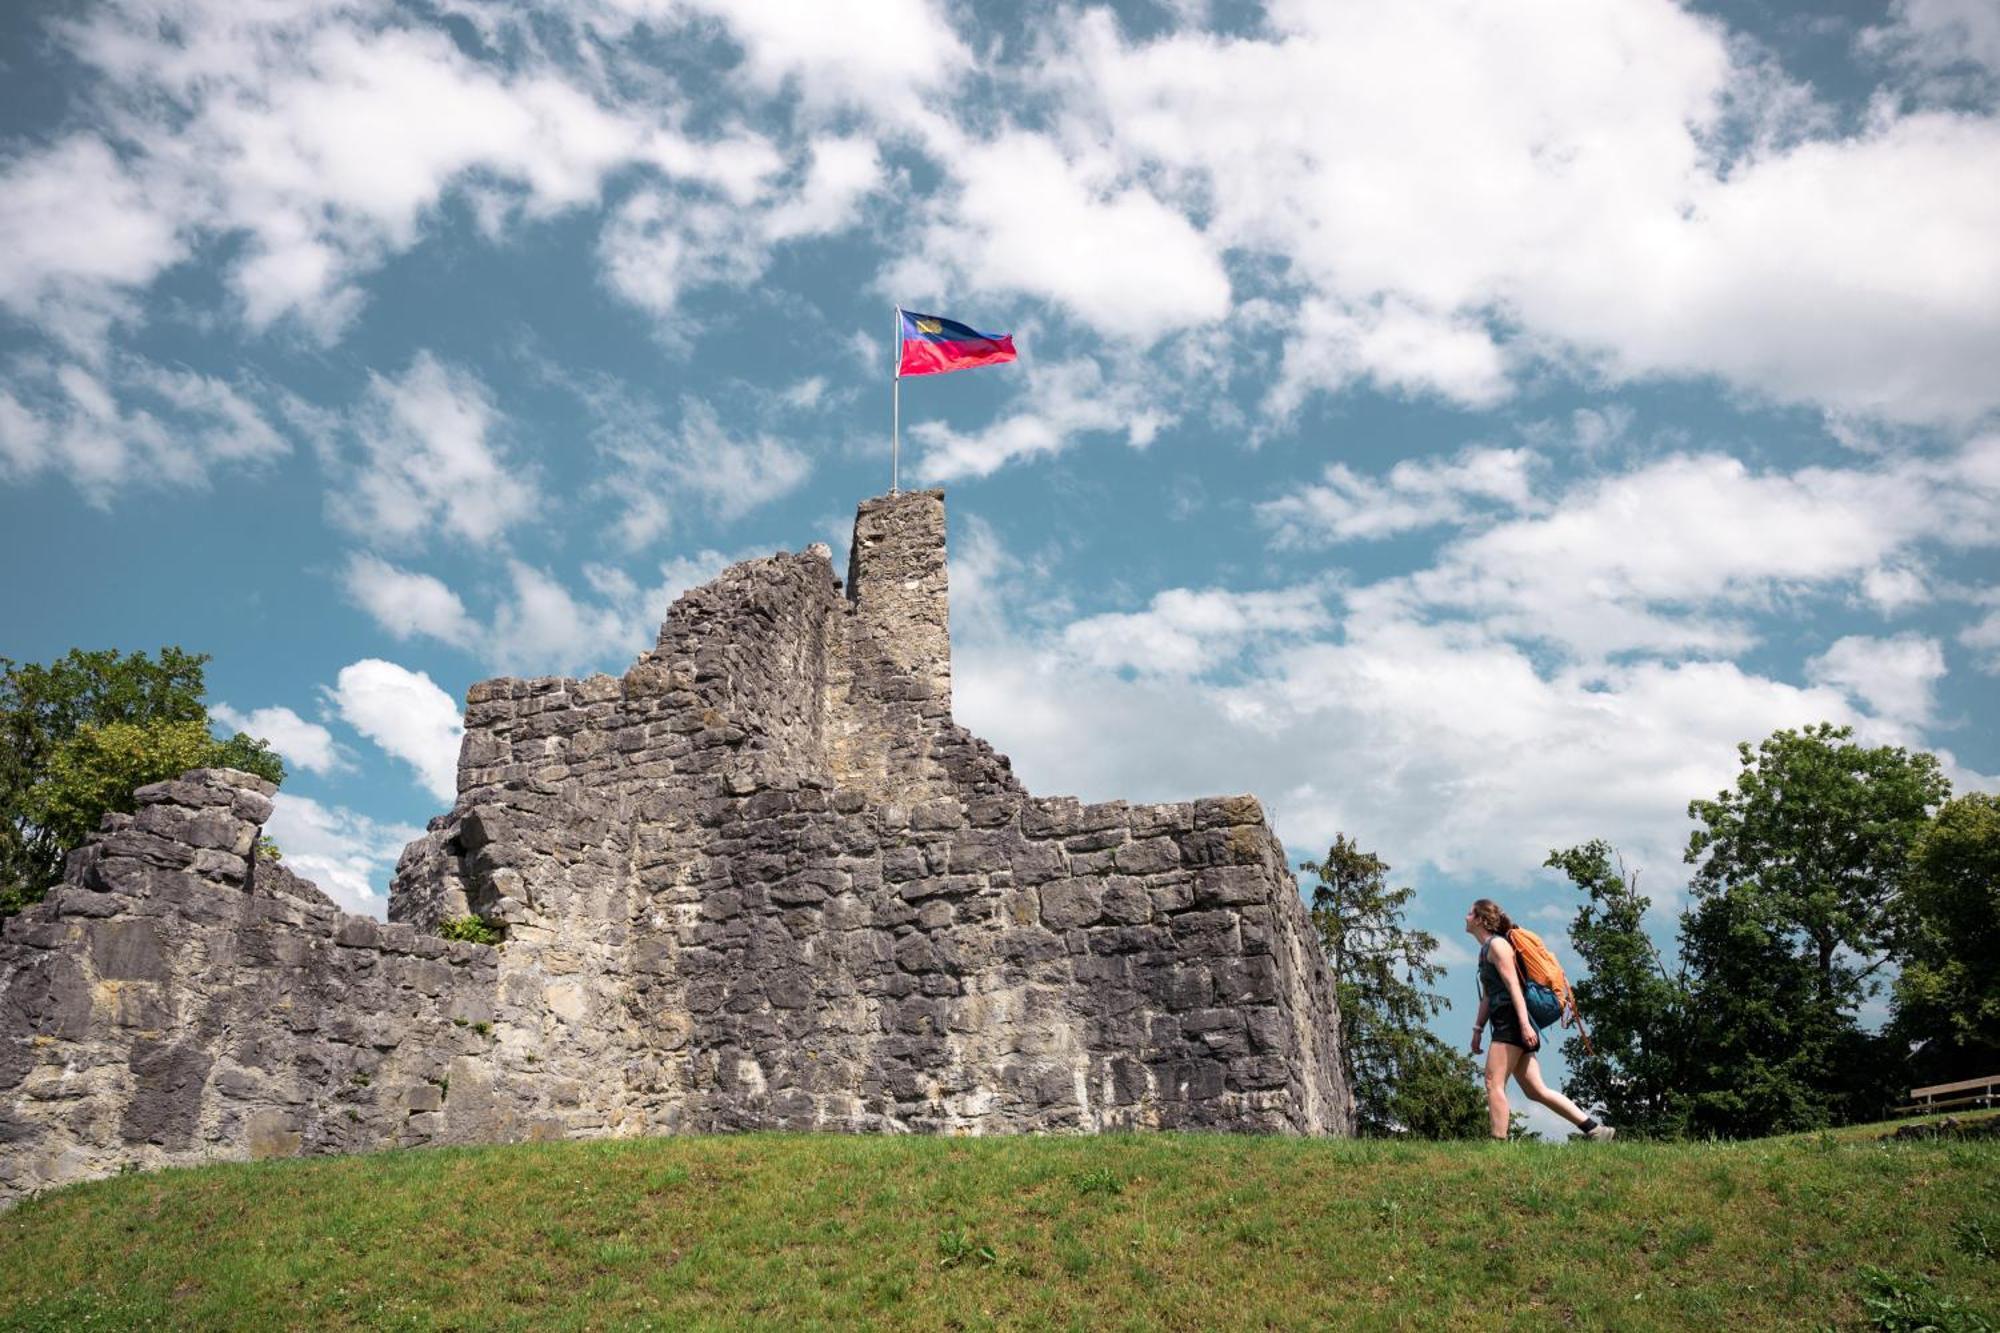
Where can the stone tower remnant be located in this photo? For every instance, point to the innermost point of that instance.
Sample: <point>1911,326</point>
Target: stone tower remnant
<point>761,881</point>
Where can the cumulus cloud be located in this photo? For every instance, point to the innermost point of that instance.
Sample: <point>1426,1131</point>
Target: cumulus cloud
<point>543,628</point>
<point>1983,637</point>
<point>1416,493</point>
<point>1556,676</point>
<point>407,603</point>
<point>407,715</point>
<point>303,745</point>
<point>430,457</point>
<point>1617,187</point>
<point>656,468</point>
<point>537,624</point>
<point>1187,630</point>
<point>1059,403</point>
<point>886,56</point>
<point>1671,555</point>
<point>79,232</point>
<point>1447,750</point>
<point>1025,217</point>
<point>1894,678</point>
<point>348,855</point>
<point>128,424</point>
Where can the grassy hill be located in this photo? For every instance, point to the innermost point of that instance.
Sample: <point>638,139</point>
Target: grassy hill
<point>1126,1232</point>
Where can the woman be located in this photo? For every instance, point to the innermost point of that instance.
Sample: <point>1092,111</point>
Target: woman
<point>1515,1039</point>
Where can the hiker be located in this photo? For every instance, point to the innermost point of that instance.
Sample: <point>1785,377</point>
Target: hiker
<point>1515,1035</point>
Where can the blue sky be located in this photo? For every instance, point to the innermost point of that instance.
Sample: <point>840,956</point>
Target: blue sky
<point>1458,424</point>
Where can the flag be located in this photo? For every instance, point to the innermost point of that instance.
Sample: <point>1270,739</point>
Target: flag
<point>933,345</point>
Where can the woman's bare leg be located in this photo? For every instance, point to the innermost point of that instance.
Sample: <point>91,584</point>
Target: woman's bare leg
<point>1499,1060</point>
<point>1529,1075</point>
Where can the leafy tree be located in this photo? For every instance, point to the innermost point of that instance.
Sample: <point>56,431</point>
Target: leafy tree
<point>1798,867</point>
<point>1636,1007</point>
<point>1948,996</point>
<point>1405,1079</point>
<point>77,735</point>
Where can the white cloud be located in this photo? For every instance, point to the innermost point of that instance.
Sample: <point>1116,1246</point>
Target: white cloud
<point>431,459</point>
<point>539,625</point>
<point>655,469</point>
<point>302,744</point>
<point>1025,218</point>
<point>1895,587</point>
<point>348,855</point>
<point>1059,402</point>
<point>662,242</point>
<point>1669,556</point>
<point>542,628</point>
<point>125,423</point>
<point>842,172</point>
<point>1894,678</point>
<point>1983,637</point>
<point>1416,493</point>
<point>1440,747</point>
<point>887,55</point>
<point>407,715</point>
<point>406,603</point>
<point>1619,188</point>
<point>1950,49</point>
<point>1186,630</point>
<point>79,232</point>
<point>1396,345</point>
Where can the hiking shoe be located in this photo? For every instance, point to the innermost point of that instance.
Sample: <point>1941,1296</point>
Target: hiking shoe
<point>1602,1134</point>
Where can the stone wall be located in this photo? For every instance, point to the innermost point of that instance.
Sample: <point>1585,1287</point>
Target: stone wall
<point>762,880</point>
<point>179,999</point>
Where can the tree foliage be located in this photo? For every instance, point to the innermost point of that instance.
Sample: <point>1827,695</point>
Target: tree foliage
<point>1405,1079</point>
<point>1798,871</point>
<point>1820,867</point>
<point>1947,999</point>
<point>78,734</point>
<point>1635,1006</point>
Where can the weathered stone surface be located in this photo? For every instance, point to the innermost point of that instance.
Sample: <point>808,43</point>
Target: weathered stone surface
<point>760,881</point>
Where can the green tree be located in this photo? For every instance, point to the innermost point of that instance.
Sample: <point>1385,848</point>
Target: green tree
<point>1635,1006</point>
<point>1947,1000</point>
<point>1798,868</point>
<point>77,734</point>
<point>1405,1078</point>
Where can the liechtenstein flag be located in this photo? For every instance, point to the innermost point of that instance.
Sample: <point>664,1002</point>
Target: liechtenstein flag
<point>933,345</point>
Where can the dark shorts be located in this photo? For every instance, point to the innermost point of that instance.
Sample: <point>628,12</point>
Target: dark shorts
<point>1507,1028</point>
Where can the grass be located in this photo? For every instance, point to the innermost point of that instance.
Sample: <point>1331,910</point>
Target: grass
<point>1140,1232</point>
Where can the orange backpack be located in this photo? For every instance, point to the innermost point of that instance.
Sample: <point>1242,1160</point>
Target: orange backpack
<point>1541,972</point>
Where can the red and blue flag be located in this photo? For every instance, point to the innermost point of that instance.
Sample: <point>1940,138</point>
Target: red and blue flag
<point>933,345</point>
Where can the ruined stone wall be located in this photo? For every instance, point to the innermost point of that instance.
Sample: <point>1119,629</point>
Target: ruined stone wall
<point>178,999</point>
<point>762,880</point>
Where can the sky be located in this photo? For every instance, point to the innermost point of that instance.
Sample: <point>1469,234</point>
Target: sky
<point>1458,424</point>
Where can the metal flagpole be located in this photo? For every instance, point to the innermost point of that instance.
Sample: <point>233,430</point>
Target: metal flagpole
<point>896,405</point>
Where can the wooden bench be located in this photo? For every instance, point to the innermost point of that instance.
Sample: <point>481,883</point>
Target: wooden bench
<point>1944,1096</point>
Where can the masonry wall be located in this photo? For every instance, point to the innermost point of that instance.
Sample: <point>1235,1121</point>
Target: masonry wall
<point>760,881</point>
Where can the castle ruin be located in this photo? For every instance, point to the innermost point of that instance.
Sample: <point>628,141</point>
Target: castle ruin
<point>761,881</point>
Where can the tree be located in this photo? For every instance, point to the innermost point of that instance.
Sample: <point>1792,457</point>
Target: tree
<point>1798,869</point>
<point>1947,1000</point>
<point>77,735</point>
<point>1636,1007</point>
<point>1405,1078</point>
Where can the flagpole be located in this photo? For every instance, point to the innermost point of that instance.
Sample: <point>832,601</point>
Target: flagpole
<point>896,406</point>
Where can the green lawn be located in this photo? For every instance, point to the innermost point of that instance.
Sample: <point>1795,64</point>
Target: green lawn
<point>1124,1232</point>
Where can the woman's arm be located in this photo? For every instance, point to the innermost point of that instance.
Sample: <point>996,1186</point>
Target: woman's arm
<point>1479,1023</point>
<point>1503,959</point>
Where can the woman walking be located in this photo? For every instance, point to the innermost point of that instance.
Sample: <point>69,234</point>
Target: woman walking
<point>1515,1039</point>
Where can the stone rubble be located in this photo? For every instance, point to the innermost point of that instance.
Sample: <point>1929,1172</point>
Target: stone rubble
<point>762,881</point>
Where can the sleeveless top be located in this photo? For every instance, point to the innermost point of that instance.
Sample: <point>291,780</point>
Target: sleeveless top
<point>1492,986</point>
